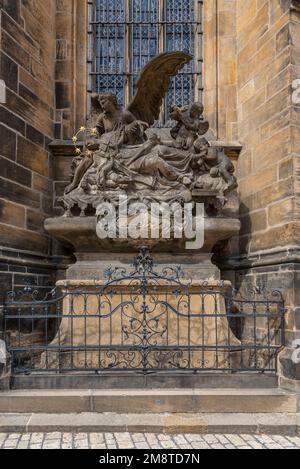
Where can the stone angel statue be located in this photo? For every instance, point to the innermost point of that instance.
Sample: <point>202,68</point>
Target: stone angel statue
<point>120,129</point>
<point>126,156</point>
<point>144,109</point>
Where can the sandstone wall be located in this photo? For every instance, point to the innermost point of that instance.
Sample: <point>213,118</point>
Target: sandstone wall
<point>27,65</point>
<point>268,35</point>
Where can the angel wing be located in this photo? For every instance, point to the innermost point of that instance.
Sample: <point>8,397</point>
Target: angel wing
<point>153,84</point>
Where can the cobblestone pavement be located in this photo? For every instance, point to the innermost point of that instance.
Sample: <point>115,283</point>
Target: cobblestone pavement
<point>144,441</point>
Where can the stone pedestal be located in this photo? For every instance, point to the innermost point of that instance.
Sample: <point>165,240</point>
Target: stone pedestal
<point>143,320</point>
<point>94,255</point>
<point>108,327</point>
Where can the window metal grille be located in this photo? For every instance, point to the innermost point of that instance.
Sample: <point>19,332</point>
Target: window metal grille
<point>124,35</point>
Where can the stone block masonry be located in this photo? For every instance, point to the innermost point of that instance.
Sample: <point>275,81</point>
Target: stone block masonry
<point>27,66</point>
<point>267,251</point>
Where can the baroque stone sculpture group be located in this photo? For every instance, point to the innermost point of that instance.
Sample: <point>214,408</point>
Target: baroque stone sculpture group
<point>124,156</point>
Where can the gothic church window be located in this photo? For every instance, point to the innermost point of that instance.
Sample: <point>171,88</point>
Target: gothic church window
<point>126,34</point>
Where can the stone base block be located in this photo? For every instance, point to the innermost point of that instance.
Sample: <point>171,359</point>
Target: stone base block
<point>121,326</point>
<point>289,369</point>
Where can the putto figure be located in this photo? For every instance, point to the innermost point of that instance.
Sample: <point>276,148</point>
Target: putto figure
<point>126,157</point>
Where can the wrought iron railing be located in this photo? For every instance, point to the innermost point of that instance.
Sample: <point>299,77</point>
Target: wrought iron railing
<point>144,321</point>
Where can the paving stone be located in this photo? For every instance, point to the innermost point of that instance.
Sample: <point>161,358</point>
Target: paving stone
<point>192,437</point>
<point>23,445</point>
<point>163,437</point>
<point>96,438</point>
<point>138,437</point>
<point>53,436</point>
<point>222,439</point>
<point>168,444</point>
<point>180,439</point>
<point>145,441</point>
<point>36,440</point>
<point>24,442</point>
<point>255,445</point>
<point>67,441</point>
<point>142,445</point>
<point>274,446</point>
<point>56,444</point>
<point>235,440</point>
<point>81,441</point>
<point>211,439</point>
<point>295,440</point>
<point>152,440</point>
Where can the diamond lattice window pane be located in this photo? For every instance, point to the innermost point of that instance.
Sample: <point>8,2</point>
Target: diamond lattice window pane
<point>126,40</point>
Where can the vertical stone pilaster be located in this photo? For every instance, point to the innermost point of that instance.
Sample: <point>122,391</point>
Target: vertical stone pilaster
<point>220,67</point>
<point>71,66</point>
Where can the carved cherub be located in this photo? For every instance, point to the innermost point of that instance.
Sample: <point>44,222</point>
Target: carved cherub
<point>214,161</point>
<point>190,124</point>
<point>221,166</point>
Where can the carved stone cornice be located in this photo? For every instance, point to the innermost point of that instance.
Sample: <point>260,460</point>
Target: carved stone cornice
<point>267,258</point>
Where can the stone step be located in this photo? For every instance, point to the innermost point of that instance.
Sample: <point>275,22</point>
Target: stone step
<point>160,401</point>
<point>275,424</point>
<point>118,380</point>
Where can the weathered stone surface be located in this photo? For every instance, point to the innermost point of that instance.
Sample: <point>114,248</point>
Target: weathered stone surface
<point>33,157</point>
<point>12,214</point>
<point>257,222</point>
<point>9,72</point>
<point>14,172</point>
<point>24,240</point>
<point>42,184</point>
<point>27,67</point>
<point>19,194</point>
<point>35,220</point>
<point>11,120</point>
<point>34,135</point>
<point>8,143</point>
<point>159,401</point>
<point>288,368</point>
<point>62,93</point>
<point>281,212</point>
